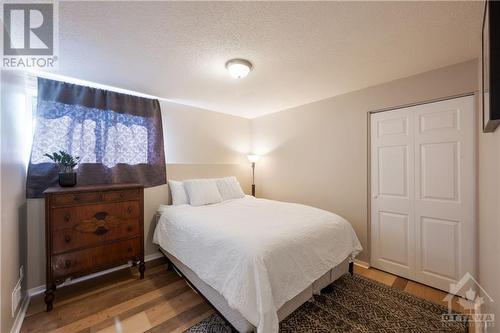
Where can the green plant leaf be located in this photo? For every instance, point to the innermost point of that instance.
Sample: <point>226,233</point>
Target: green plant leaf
<point>63,159</point>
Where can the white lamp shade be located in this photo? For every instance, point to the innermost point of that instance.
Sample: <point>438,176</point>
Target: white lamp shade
<point>238,68</point>
<point>253,158</point>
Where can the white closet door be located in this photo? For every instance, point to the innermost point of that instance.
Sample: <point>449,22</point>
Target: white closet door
<point>422,184</point>
<point>392,160</point>
<point>444,191</point>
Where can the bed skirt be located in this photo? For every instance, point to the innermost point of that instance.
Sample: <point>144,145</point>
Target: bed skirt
<point>238,322</point>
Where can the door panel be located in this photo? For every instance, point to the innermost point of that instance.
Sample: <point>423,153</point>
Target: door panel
<point>439,248</point>
<point>422,188</point>
<point>392,126</point>
<point>392,192</point>
<point>440,120</point>
<point>393,171</point>
<point>393,238</point>
<point>439,167</point>
<point>444,192</point>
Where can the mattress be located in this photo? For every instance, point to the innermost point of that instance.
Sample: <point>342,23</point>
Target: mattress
<point>257,253</point>
<point>233,316</point>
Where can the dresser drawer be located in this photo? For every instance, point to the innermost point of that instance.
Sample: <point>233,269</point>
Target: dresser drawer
<point>95,258</point>
<point>69,239</point>
<point>75,198</point>
<point>88,215</point>
<point>122,195</point>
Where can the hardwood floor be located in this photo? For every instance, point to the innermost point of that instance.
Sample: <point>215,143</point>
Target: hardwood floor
<point>161,302</point>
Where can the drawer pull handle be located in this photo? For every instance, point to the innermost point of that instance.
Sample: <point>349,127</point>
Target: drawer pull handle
<point>121,195</point>
<point>100,230</point>
<point>67,264</point>
<point>129,210</point>
<point>129,228</point>
<point>101,215</point>
<point>67,238</point>
<point>67,217</point>
<point>76,197</point>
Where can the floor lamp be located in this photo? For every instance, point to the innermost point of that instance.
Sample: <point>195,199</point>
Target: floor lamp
<point>253,159</point>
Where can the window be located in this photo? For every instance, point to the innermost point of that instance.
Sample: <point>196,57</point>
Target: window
<point>118,137</point>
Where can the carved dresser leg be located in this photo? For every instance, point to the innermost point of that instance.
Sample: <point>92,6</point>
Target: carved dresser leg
<point>49,297</point>
<point>142,268</point>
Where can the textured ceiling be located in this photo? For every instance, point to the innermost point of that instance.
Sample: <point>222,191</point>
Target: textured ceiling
<point>301,51</point>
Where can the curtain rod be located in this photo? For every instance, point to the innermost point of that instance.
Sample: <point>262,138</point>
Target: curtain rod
<point>391,108</point>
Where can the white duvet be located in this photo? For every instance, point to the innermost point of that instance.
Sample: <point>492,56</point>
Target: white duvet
<point>257,253</point>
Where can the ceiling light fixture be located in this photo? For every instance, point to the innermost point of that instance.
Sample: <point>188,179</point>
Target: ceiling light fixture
<point>238,68</point>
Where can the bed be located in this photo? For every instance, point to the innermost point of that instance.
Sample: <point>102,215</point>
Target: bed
<point>256,260</point>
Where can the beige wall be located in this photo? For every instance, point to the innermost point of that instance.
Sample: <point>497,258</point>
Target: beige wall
<point>489,219</point>
<point>195,136</point>
<point>13,177</point>
<point>316,154</point>
<point>198,143</point>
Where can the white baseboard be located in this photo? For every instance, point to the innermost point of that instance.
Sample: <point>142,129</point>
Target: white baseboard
<point>153,256</point>
<point>21,313</point>
<point>361,263</point>
<point>35,291</point>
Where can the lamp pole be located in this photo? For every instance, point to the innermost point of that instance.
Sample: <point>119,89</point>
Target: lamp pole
<point>253,179</point>
<point>253,159</point>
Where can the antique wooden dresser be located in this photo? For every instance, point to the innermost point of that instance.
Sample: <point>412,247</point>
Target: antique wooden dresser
<point>92,228</point>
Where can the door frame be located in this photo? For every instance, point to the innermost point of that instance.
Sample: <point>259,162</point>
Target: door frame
<point>474,167</point>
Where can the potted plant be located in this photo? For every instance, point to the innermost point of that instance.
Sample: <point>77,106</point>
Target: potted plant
<point>66,163</point>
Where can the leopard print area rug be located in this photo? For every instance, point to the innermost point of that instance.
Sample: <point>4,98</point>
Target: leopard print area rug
<point>356,304</point>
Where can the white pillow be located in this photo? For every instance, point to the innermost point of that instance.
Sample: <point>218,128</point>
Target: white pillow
<point>178,193</point>
<point>229,188</point>
<point>202,191</point>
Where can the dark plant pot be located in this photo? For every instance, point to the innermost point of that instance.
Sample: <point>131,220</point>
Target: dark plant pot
<point>67,179</point>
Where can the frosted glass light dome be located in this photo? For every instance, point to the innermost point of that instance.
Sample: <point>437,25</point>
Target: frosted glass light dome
<point>238,68</point>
